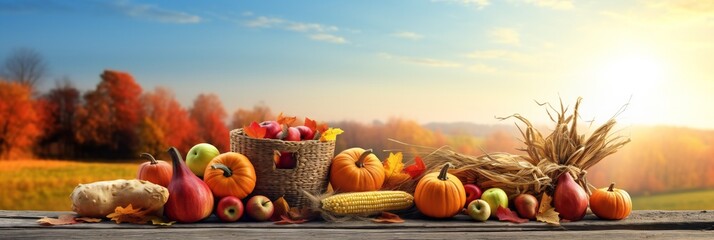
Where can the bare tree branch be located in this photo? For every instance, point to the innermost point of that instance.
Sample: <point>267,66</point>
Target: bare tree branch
<point>26,66</point>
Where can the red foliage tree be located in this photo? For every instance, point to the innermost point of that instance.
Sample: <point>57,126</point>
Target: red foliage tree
<point>243,117</point>
<point>210,117</point>
<point>166,123</point>
<point>108,123</point>
<point>20,122</point>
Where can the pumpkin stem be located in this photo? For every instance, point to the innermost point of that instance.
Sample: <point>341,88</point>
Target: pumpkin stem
<point>612,185</point>
<point>227,172</point>
<point>444,171</point>
<point>360,160</point>
<point>150,157</point>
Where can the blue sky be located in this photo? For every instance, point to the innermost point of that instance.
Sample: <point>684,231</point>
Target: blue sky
<point>447,61</point>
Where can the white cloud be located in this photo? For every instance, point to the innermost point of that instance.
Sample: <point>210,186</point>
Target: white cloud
<point>328,38</point>
<point>553,4</point>
<point>507,36</point>
<point>504,55</point>
<point>481,68</point>
<point>154,13</point>
<point>668,12</point>
<point>247,14</point>
<point>264,22</point>
<point>310,27</point>
<point>315,31</point>
<point>479,4</point>
<point>428,62</point>
<point>408,35</point>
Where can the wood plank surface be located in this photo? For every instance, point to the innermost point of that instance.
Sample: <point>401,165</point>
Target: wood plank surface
<point>640,224</point>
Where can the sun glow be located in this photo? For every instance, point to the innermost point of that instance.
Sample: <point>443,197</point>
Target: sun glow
<point>632,74</point>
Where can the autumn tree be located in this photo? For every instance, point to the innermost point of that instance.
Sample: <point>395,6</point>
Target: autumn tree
<point>19,120</point>
<point>501,141</point>
<point>165,124</point>
<point>60,106</point>
<point>210,117</point>
<point>25,66</point>
<point>107,125</point>
<point>243,117</point>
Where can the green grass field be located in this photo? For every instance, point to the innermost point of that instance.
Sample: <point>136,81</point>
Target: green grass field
<point>694,200</point>
<point>46,185</point>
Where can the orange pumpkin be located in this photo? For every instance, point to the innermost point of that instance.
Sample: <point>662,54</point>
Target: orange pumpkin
<point>230,174</point>
<point>440,194</point>
<point>356,170</point>
<point>155,171</point>
<point>611,203</point>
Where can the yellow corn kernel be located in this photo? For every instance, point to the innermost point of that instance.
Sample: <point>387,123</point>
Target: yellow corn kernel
<point>363,203</point>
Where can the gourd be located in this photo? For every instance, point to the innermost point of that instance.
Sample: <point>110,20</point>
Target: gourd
<point>440,194</point>
<point>230,174</point>
<point>611,203</point>
<point>356,170</point>
<point>155,171</point>
<point>98,199</point>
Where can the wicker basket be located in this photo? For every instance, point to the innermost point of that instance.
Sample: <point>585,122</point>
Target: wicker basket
<point>310,173</point>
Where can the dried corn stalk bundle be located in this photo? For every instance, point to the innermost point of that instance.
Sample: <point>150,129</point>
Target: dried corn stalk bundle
<point>563,150</point>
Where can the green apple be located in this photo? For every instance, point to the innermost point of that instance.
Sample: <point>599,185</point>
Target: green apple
<point>198,157</point>
<point>479,210</point>
<point>495,197</point>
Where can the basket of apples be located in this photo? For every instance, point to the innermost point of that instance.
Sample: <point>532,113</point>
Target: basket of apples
<point>287,159</point>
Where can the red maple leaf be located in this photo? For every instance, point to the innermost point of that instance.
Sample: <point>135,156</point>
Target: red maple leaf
<point>416,169</point>
<point>254,130</point>
<point>506,215</point>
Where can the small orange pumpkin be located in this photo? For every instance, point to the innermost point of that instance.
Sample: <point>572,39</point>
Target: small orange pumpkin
<point>440,194</point>
<point>230,174</point>
<point>155,171</point>
<point>611,203</point>
<point>356,170</point>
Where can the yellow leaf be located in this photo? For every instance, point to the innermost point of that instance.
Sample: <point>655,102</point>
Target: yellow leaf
<point>393,165</point>
<point>330,134</point>
<point>546,212</point>
<point>550,216</point>
<point>129,214</point>
<point>545,201</point>
<point>393,168</point>
<point>159,221</point>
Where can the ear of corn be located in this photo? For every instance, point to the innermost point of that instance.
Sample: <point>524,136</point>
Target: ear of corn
<point>365,203</point>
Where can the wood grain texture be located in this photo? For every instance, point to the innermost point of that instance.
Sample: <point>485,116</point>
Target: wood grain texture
<point>640,224</point>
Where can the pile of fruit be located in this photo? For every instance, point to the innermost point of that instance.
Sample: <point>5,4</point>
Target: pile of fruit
<point>221,183</point>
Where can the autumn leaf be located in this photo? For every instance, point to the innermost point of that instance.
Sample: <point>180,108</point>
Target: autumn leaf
<point>545,201</point>
<point>281,208</point>
<point>129,214</point>
<point>159,221</point>
<point>550,216</point>
<point>330,134</point>
<point>322,128</point>
<point>286,120</point>
<point>506,215</point>
<point>88,220</point>
<point>301,213</point>
<point>65,219</point>
<point>287,220</point>
<point>415,170</point>
<point>254,130</point>
<point>393,168</point>
<point>311,124</point>
<point>387,217</point>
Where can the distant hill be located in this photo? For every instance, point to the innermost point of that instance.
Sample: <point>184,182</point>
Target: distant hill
<point>474,129</point>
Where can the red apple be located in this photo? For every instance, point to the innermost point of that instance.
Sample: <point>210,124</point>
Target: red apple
<point>230,209</point>
<point>272,128</point>
<point>260,208</point>
<point>526,206</point>
<point>472,193</point>
<point>286,161</point>
<point>306,133</point>
<point>289,134</point>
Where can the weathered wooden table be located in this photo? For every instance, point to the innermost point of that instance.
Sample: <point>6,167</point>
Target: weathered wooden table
<point>640,224</point>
